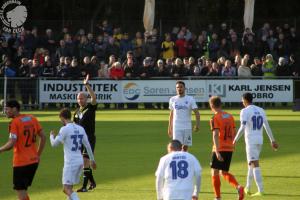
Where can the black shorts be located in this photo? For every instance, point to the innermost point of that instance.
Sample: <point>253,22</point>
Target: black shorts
<point>23,176</point>
<point>225,164</point>
<point>92,141</point>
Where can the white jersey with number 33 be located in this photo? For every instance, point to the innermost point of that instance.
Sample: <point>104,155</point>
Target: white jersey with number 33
<point>73,137</point>
<point>254,118</point>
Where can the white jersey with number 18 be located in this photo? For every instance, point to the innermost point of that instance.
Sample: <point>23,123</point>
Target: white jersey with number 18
<point>178,170</point>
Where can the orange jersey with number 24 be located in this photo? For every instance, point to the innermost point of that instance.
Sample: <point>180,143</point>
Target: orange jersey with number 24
<point>26,128</point>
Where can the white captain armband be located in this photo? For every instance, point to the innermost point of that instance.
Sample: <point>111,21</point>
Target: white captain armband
<point>12,136</point>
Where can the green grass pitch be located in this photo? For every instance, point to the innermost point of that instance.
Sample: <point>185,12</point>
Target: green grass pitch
<point>130,143</point>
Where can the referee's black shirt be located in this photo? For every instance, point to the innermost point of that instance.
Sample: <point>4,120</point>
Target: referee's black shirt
<point>86,118</point>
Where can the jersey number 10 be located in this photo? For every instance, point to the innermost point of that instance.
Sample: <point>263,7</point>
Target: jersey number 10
<point>257,122</point>
<point>179,169</point>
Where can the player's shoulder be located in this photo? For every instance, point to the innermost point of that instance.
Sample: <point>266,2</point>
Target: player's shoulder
<point>190,156</point>
<point>190,98</point>
<point>173,98</point>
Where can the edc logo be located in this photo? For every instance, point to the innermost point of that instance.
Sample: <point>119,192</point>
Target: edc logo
<point>131,91</point>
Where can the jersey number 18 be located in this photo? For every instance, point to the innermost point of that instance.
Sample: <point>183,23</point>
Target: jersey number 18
<point>179,169</point>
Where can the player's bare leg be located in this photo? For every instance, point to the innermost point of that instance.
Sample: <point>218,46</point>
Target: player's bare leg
<point>22,195</point>
<point>68,190</point>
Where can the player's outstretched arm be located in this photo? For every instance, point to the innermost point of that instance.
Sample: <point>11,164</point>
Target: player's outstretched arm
<point>216,144</point>
<point>42,142</point>
<point>89,151</point>
<point>54,140</point>
<point>240,132</point>
<point>198,172</point>
<point>8,145</point>
<point>170,127</point>
<point>90,90</point>
<point>197,116</point>
<point>159,187</point>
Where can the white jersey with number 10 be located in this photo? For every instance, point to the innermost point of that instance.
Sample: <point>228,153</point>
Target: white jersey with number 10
<point>253,117</point>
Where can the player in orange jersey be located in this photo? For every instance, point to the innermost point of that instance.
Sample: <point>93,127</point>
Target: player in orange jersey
<point>23,132</point>
<point>223,129</point>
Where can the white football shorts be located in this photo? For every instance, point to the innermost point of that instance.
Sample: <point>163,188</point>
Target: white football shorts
<point>72,173</point>
<point>184,136</point>
<point>253,152</point>
<point>178,195</point>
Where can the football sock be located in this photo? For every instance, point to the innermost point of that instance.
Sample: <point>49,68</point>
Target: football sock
<point>74,196</point>
<point>91,177</point>
<point>86,174</point>
<point>216,185</point>
<point>230,178</point>
<point>258,178</point>
<point>249,177</point>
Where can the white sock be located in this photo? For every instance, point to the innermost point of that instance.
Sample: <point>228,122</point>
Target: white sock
<point>258,178</point>
<point>74,196</point>
<point>249,177</point>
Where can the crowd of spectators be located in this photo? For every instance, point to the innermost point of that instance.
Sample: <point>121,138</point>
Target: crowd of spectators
<point>111,53</point>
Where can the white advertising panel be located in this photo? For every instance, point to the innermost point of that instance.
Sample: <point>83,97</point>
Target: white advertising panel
<point>262,90</point>
<point>109,91</point>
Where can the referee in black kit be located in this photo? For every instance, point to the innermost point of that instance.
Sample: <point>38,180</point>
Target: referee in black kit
<point>85,116</point>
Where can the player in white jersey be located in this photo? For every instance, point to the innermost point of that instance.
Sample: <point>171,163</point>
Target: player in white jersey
<point>253,118</point>
<point>72,136</point>
<point>178,176</point>
<point>180,122</point>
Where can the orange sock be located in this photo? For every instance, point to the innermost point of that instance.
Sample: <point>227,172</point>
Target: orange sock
<point>230,178</point>
<point>27,198</point>
<point>216,185</point>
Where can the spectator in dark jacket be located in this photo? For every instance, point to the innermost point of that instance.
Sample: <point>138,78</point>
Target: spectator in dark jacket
<point>89,68</point>
<point>64,72</point>
<point>48,69</point>
<point>23,83</point>
<point>161,70</point>
<point>283,69</point>
<point>85,48</point>
<point>256,68</point>
<point>282,46</point>
<point>74,70</point>
<point>100,48</point>
<point>125,45</point>
<point>130,69</point>
<point>178,69</point>
<point>62,50</point>
<point>146,71</point>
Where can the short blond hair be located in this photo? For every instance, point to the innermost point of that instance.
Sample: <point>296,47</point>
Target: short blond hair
<point>215,101</point>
